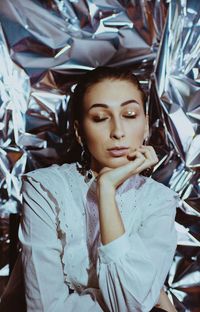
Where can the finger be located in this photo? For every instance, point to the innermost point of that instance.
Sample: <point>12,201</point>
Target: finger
<point>151,149</point>
<point>146,165</point>
<point>150,158</point>
<point>142,149</point>
<point>129,169</point>
<point>149,153</point>
<point>133,153</point>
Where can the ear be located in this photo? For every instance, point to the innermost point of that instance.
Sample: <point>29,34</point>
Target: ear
<point>77,131</point>
<point>146,131</point>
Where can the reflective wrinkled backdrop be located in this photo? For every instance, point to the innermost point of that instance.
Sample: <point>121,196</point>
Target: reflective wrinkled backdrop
<point>44,48</point>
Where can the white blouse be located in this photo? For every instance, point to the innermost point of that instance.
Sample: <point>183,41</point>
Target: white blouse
<point>62,250</point>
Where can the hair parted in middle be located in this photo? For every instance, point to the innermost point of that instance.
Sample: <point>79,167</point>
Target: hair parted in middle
<point>76,104</point>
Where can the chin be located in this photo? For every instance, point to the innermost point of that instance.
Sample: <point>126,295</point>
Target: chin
<point>117,162</point>
<point>110,163</point>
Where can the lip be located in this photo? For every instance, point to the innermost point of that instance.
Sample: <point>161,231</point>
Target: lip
<point>118,151</point>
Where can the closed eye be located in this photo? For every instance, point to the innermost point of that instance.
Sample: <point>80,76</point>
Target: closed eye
<point>130,115</point>
<point>100,119</point>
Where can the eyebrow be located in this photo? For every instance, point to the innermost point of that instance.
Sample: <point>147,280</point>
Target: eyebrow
<point>107,106</point>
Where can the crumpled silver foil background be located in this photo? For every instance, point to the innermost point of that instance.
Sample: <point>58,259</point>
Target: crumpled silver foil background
<point>46,45</point>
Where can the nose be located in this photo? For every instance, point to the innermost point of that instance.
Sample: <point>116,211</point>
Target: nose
<point>117,131</point>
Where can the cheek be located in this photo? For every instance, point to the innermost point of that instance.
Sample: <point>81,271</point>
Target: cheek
<point>93,135</point>
<point>136,134</point>
<point>136,130</point>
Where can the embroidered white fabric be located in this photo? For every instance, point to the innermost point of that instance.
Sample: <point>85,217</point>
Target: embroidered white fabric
<point>61,243</point>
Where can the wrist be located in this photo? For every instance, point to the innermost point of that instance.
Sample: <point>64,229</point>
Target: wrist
<point>105,187</point>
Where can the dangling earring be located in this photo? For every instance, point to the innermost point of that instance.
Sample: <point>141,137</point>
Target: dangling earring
<point>83,165</point>
<point>83,156</point>
<point>145,141</point>
<point>148,171</point>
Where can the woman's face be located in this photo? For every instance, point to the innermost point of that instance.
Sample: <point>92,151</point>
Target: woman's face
<point>114,122</point>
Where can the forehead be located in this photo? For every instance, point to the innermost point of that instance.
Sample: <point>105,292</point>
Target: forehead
<point>110,91</point>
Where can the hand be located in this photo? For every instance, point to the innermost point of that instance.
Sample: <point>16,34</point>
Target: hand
<point>139,160</point>
<point>164,302</point>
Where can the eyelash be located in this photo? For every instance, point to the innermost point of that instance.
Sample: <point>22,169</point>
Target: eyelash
<point>99,120</point>
<point>131,117</point>
<point>103,119</point>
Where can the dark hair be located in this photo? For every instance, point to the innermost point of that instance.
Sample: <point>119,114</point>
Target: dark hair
<point>98,75</point>
<point>88,80</point>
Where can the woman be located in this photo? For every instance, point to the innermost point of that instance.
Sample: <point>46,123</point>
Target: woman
<point>96,234</point>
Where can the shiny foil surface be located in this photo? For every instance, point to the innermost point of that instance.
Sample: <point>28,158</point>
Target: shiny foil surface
<point>44,48</point>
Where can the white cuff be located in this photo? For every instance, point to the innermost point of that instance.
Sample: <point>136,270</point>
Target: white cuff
<point>114,250</point>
